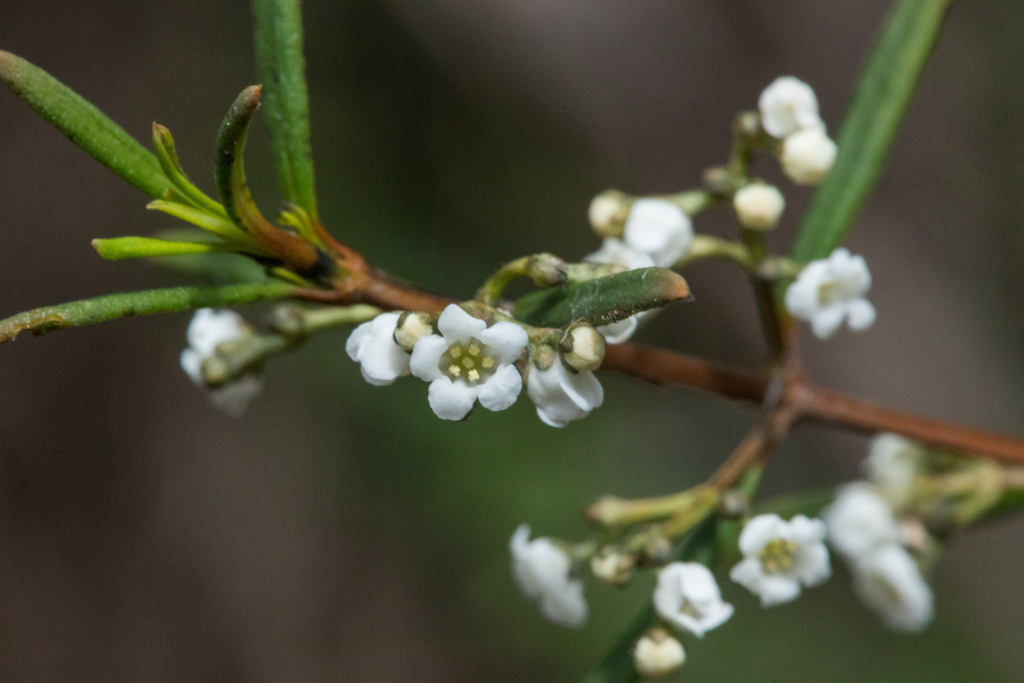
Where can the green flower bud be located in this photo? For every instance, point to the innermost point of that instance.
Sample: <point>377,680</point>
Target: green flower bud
<point>582,347</point>
<point>613,566</point>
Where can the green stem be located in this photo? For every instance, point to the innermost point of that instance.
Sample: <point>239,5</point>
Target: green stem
<point>112,306</point>
<point>546,270</point>
<point>773,316</point>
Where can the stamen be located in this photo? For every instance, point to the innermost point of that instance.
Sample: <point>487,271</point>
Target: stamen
<point>468,363</point>
<point>473,375</point>
<point>455,352</point>
<point>454,370</point>
<point>487,362</point>
<point>474,350</point>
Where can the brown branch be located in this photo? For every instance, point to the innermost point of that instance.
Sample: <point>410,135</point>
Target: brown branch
<point>758,446</point>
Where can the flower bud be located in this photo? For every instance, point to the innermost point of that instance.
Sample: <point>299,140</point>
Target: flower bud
<point>411,327</point>
<point>613,566</point>
<point>582,347</point>
<point>759,206</point>
<point>657,654</point>
<point>608,212</point>
<point>807,156</point>
<point>547,270</point>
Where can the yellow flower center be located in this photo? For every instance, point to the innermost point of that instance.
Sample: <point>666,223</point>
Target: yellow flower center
<point>778,556</point>
<point>469,362</point>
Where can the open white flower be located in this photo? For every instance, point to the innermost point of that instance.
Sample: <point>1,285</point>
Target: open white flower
<point>615,251</point>
<point>779,556</point>
<point>892,464</point>
<point>890,583</point>
<point>830,290</point>
<point>541,571</point>
<point>657,654</point>
<point>660,229</point>
<point>560,395</point>
<point>688,597</point>
<point>807,156</point>
<point>788,105</point>
<point>469,361</point>
<point>373,346</point>
<point>860,521</point>
<point>208,330</point>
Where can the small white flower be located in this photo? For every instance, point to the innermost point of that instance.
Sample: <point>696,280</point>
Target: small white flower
<point>469,361</point>
<point>209,329</point>
<point>830,290</point>
<point>687,596</point>
<point>562,396</point>
<point>807,156</point>
<point>759,205</point>
<point>859,521</point>
<point>541,571</point>
<point>660,229</point>
<point>788,105</point>
<point>780,556</point>
<point>617,252</point>
<point>373,346</point>
<point>657,654</point>
<point>890,583</point>
<point>892,464</point>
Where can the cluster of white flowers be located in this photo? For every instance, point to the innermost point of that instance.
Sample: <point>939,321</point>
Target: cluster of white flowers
<point>467,362</point>
<point>781,556</point>
<point>789,112</point>
<point>832,290</point>
<point>208,330</point>
<point>863,528</point>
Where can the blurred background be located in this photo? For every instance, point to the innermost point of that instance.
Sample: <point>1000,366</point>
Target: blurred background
<point>339,531</point>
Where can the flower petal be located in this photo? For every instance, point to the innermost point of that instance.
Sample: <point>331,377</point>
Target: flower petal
<point>458,326</point>
<point>825,321</point>
<point>451,400</point>
<point>815,567</point>
<point>776,590</point>
<point>860,314</point>
<point>502,389</point>
<point>758,532</point>
<point>621,331</point>
<point>584,389</point>
<point>507,339</point>
<point>426,357</point>
<point>748,573</point>
<point>192,363</point>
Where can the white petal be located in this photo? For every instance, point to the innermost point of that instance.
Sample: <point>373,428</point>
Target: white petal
<point>815,568</point>
<point>758,532</point>
<point>616,333</point>
<point>776,590</point>
<point>451,400</point>
<point>860,521</point>
<point>787,105</point>
<point>565,606</point>
<point>826,321</point>
<point>210,328</point>
<point>507,339</point>
<point>860,314</point>
<point>805,531</point>
<point>617,252</point>
<point>192,363</point>
<point>377,382</point>
<point>458,326</point>
<point>502,389</point>
<point>382,360</point>
<point>890,583</point>
<point>426,357</point>
<point>584,389</point>
<point>659,228</point>
<point>356,339</point>
<point>546,389</point>
<point>748,573</point>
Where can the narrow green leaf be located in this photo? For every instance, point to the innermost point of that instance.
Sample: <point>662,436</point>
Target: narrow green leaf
<point>215,224</point>
<point>112,306</point>
<point>603,300</point>
<point>121,248</point>
<point>84,125</point>
<point>617,666</point>
<point>883,93</point>
<point>282,68</point>
<point>167,155</point>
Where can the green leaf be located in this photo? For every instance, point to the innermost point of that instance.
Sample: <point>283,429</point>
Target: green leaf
<point>282,68</point>
<point>112,306</point>
<point>167,155</point>
<point>213,223</point>
<point>121,248</point>
<point>84,125</point>
<point>890,77</point>
<point>603,300</point>
<point>617,666</point>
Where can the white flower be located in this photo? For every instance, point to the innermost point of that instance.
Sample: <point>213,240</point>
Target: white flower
<point>209,329</point>
<point>562,396</point>
<point>541,571</point>
<point>688,597</point>
<point>892,465</point>
<point>859,521</point>
<point>830,290</point>
<point>657,654</point>
<point>781,555</point>
<point>660,229</point>
<point>890,583</point>
<point>469,361</point>
<point>617,252</point>
<point>759,205</point>
<point>373,346</point>
<point>807,156</point>
<point>788,105</point>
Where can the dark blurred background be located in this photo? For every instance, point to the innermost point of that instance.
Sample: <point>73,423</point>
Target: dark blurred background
<point>340,532</point>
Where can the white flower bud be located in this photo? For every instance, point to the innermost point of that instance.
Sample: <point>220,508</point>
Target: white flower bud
<point>608,212</point>
<point>412,326</point>
<point>613,566</point>
<point>759,206</point>
<point>788,105</point>
<point>807,156</point>
<point>582,347</point>
<point>657,654</point>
